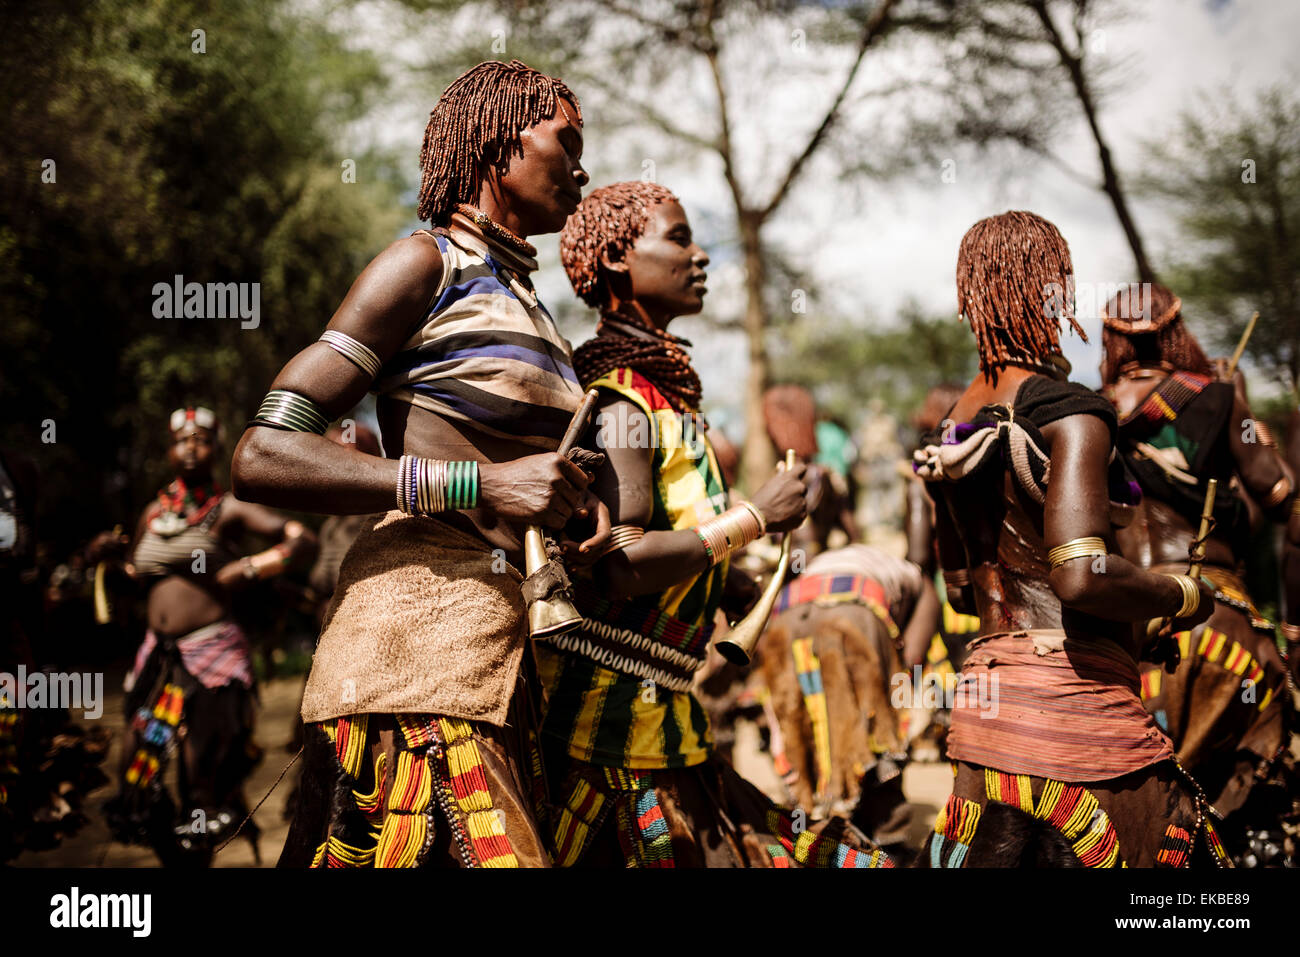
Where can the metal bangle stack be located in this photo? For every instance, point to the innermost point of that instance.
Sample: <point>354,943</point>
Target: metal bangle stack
<point>732,530</point>
<point>428,486</point>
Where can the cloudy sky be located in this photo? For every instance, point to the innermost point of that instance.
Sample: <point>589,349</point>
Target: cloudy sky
<point>876,245</point>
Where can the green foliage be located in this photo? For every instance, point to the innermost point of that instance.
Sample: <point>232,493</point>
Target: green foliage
<point>1231,169</point>
<point>221,166</point>
<point>845,364</point>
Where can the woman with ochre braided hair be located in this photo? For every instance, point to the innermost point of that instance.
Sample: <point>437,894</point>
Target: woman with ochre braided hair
<point>1057,762</point>
<point>628,745</point>
<point>421,737</point>
<point>191,686</point>
<point>1224,701</point>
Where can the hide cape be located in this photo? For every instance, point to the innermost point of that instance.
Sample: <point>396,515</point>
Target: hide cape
<point>956,452</point>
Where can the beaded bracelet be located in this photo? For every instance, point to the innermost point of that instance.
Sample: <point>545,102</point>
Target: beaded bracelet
<point>428,486</point>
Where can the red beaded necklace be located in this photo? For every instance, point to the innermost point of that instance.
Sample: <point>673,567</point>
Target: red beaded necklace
<point>179,506</point>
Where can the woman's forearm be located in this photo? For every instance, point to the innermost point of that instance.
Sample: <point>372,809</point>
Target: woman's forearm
<point>1113,588</point>
<point>308,472</point>
<point>656,562</point>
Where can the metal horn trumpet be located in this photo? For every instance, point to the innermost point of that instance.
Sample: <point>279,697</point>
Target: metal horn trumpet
<point>551,610</point>
<point>738,646</point>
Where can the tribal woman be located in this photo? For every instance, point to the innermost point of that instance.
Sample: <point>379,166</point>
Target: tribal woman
<point>1057,762</point>
<point>191,686</point>
<point>628,743</point>
<point>1224,701</point>
<point>420,740</point>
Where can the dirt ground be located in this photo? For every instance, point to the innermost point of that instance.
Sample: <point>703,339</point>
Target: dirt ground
<point>92,846</point>
<point>926,787</point>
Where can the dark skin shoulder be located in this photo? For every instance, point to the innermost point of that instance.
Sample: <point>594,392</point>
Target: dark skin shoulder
<point>626,482</point>
<point>304,471</point>
<point>381,310</point>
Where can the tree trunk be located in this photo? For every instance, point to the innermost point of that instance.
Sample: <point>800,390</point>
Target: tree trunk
<point>757,459</point>
<point>1110,183</point>
<point>1073,63</point>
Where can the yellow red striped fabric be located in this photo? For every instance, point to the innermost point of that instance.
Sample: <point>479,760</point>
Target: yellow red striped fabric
<point>807,669</point>
<point>578,818</point>
<point>469,787</point>
<point>406,826</point>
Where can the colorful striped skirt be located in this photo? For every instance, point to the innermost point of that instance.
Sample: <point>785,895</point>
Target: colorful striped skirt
<point>706,815</point>
<point>421,790</point>
<point>1156,817</point>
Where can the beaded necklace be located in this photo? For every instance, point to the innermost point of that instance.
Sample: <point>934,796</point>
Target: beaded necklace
<point>496,230</point>
<point>181,507</point>
<point>626,340</point>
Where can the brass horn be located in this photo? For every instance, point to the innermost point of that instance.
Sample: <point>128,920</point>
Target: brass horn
<point>738,646</point>
<point>551,610</point>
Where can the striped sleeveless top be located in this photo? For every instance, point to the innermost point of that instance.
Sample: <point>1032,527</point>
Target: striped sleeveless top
<point>488,353</point>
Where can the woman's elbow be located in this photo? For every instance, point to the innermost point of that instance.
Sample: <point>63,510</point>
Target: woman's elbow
<point>1076,585</point>
<point>248,472</point>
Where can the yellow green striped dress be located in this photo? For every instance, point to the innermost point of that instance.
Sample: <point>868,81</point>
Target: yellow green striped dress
<point>619,719</point>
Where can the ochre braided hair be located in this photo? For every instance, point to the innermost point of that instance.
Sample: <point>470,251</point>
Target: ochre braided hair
<point>610,220</point>
<point>475,127</point>
<point>1171,342</point>
<point>1015,284</point>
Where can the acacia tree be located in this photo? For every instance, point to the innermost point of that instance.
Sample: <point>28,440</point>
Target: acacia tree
<point>1072,33</point>
<point>149,140</point>
<point>1231,169</point>
<point>874,88</point>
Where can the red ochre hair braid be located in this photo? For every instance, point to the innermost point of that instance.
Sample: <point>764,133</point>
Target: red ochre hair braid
<point>475,127</point>
<point>1015,283</point>
<point>610,220</point>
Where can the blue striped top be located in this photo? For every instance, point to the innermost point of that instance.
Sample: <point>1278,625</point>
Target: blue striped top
<point>488,353</point>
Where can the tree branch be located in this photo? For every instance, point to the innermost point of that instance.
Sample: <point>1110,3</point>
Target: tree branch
<point>723,147</point>
<point>668,32</point>
<point>1073,64</point>
<point>871,30</point>
<point>647,112</point>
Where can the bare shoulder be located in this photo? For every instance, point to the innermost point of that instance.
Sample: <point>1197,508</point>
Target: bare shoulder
<point>1079,433</point>
<point>408,269</point>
